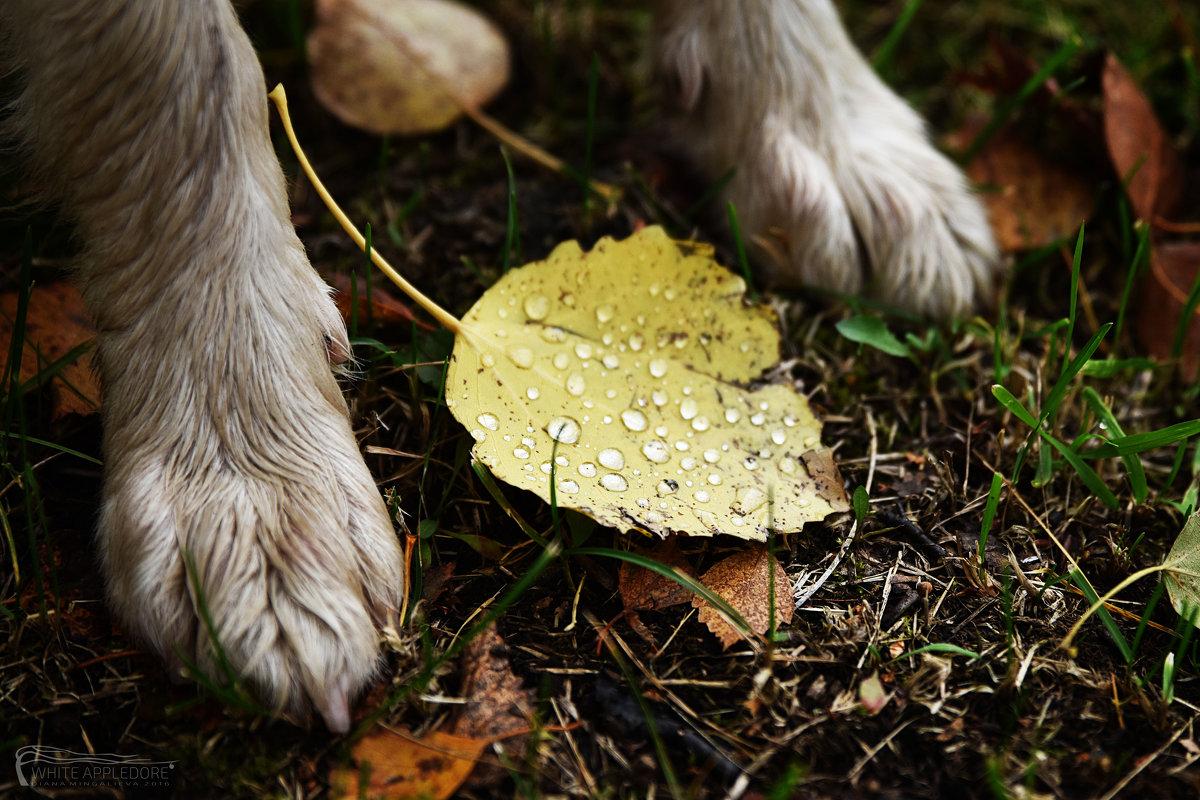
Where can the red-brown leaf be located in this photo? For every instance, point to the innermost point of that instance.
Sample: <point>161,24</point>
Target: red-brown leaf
<point>1138,145</point>
<point>1031,201</point>
<point>743,581</point>
<point>644,589</point>
<point>1173,269</point>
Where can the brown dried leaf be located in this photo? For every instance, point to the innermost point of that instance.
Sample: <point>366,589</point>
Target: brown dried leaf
<point>497,701</point>
<point>743,581</point>
<point>404,66</point>
<point>1032,202</point>
<point>433,580</point>
<point>56,323</point>
<point>1138,145</point>
<point>1173,269</point>
<point>644,589</point>
<point>400,765</point>
<point>498,705</point>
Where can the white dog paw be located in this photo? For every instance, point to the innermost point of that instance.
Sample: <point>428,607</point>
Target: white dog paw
<point>240,524</point>
<point>834,178</point>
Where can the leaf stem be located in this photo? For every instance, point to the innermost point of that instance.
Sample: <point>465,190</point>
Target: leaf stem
<point>279,97</point>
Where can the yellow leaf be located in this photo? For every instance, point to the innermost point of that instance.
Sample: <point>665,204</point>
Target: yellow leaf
<point>624,373</point>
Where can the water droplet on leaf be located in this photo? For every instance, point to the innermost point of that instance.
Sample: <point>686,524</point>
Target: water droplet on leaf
<point>657,451</point>
<point>564,429</point>
<point>634,419</point>
<point>537,307</point>
<point>611,458</point>
<point>521,356</point>
<point>614,482</point>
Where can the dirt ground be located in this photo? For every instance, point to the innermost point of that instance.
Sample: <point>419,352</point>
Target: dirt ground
<point>919,668</point>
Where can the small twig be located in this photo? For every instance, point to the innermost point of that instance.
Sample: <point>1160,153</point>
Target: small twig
<point>849,540</point>
<point>872,451</point>
<point>921,540</point>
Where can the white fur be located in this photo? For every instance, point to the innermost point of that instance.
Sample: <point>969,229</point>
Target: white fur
<point>825,155</point>
<point>226,436</point>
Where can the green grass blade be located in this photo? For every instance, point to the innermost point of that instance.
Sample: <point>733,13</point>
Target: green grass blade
<point>512,236</point>
<point>1073,304</point>
<point>1013,405</point>
<point>1133,465</point>
<point>1110,624</point>
<point>882,60</point>
<point>939,647</point>
<point>1050,408</point>
<point>590,136</point>
<point>1185,319</point>
<point>52,445</point>
<point>1140,258</point>
<point>1147,613</point>
<point>989,513</point>
<point>1086,473</point>
<point>1133,444</point>
<point>735,228</point>
<point>493,488</point>
<point>1111,367</point>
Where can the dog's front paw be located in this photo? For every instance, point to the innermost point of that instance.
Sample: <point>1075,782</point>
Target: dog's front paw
<point>834,178</point>
<point>922,236</point>
<point>240,524</point>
